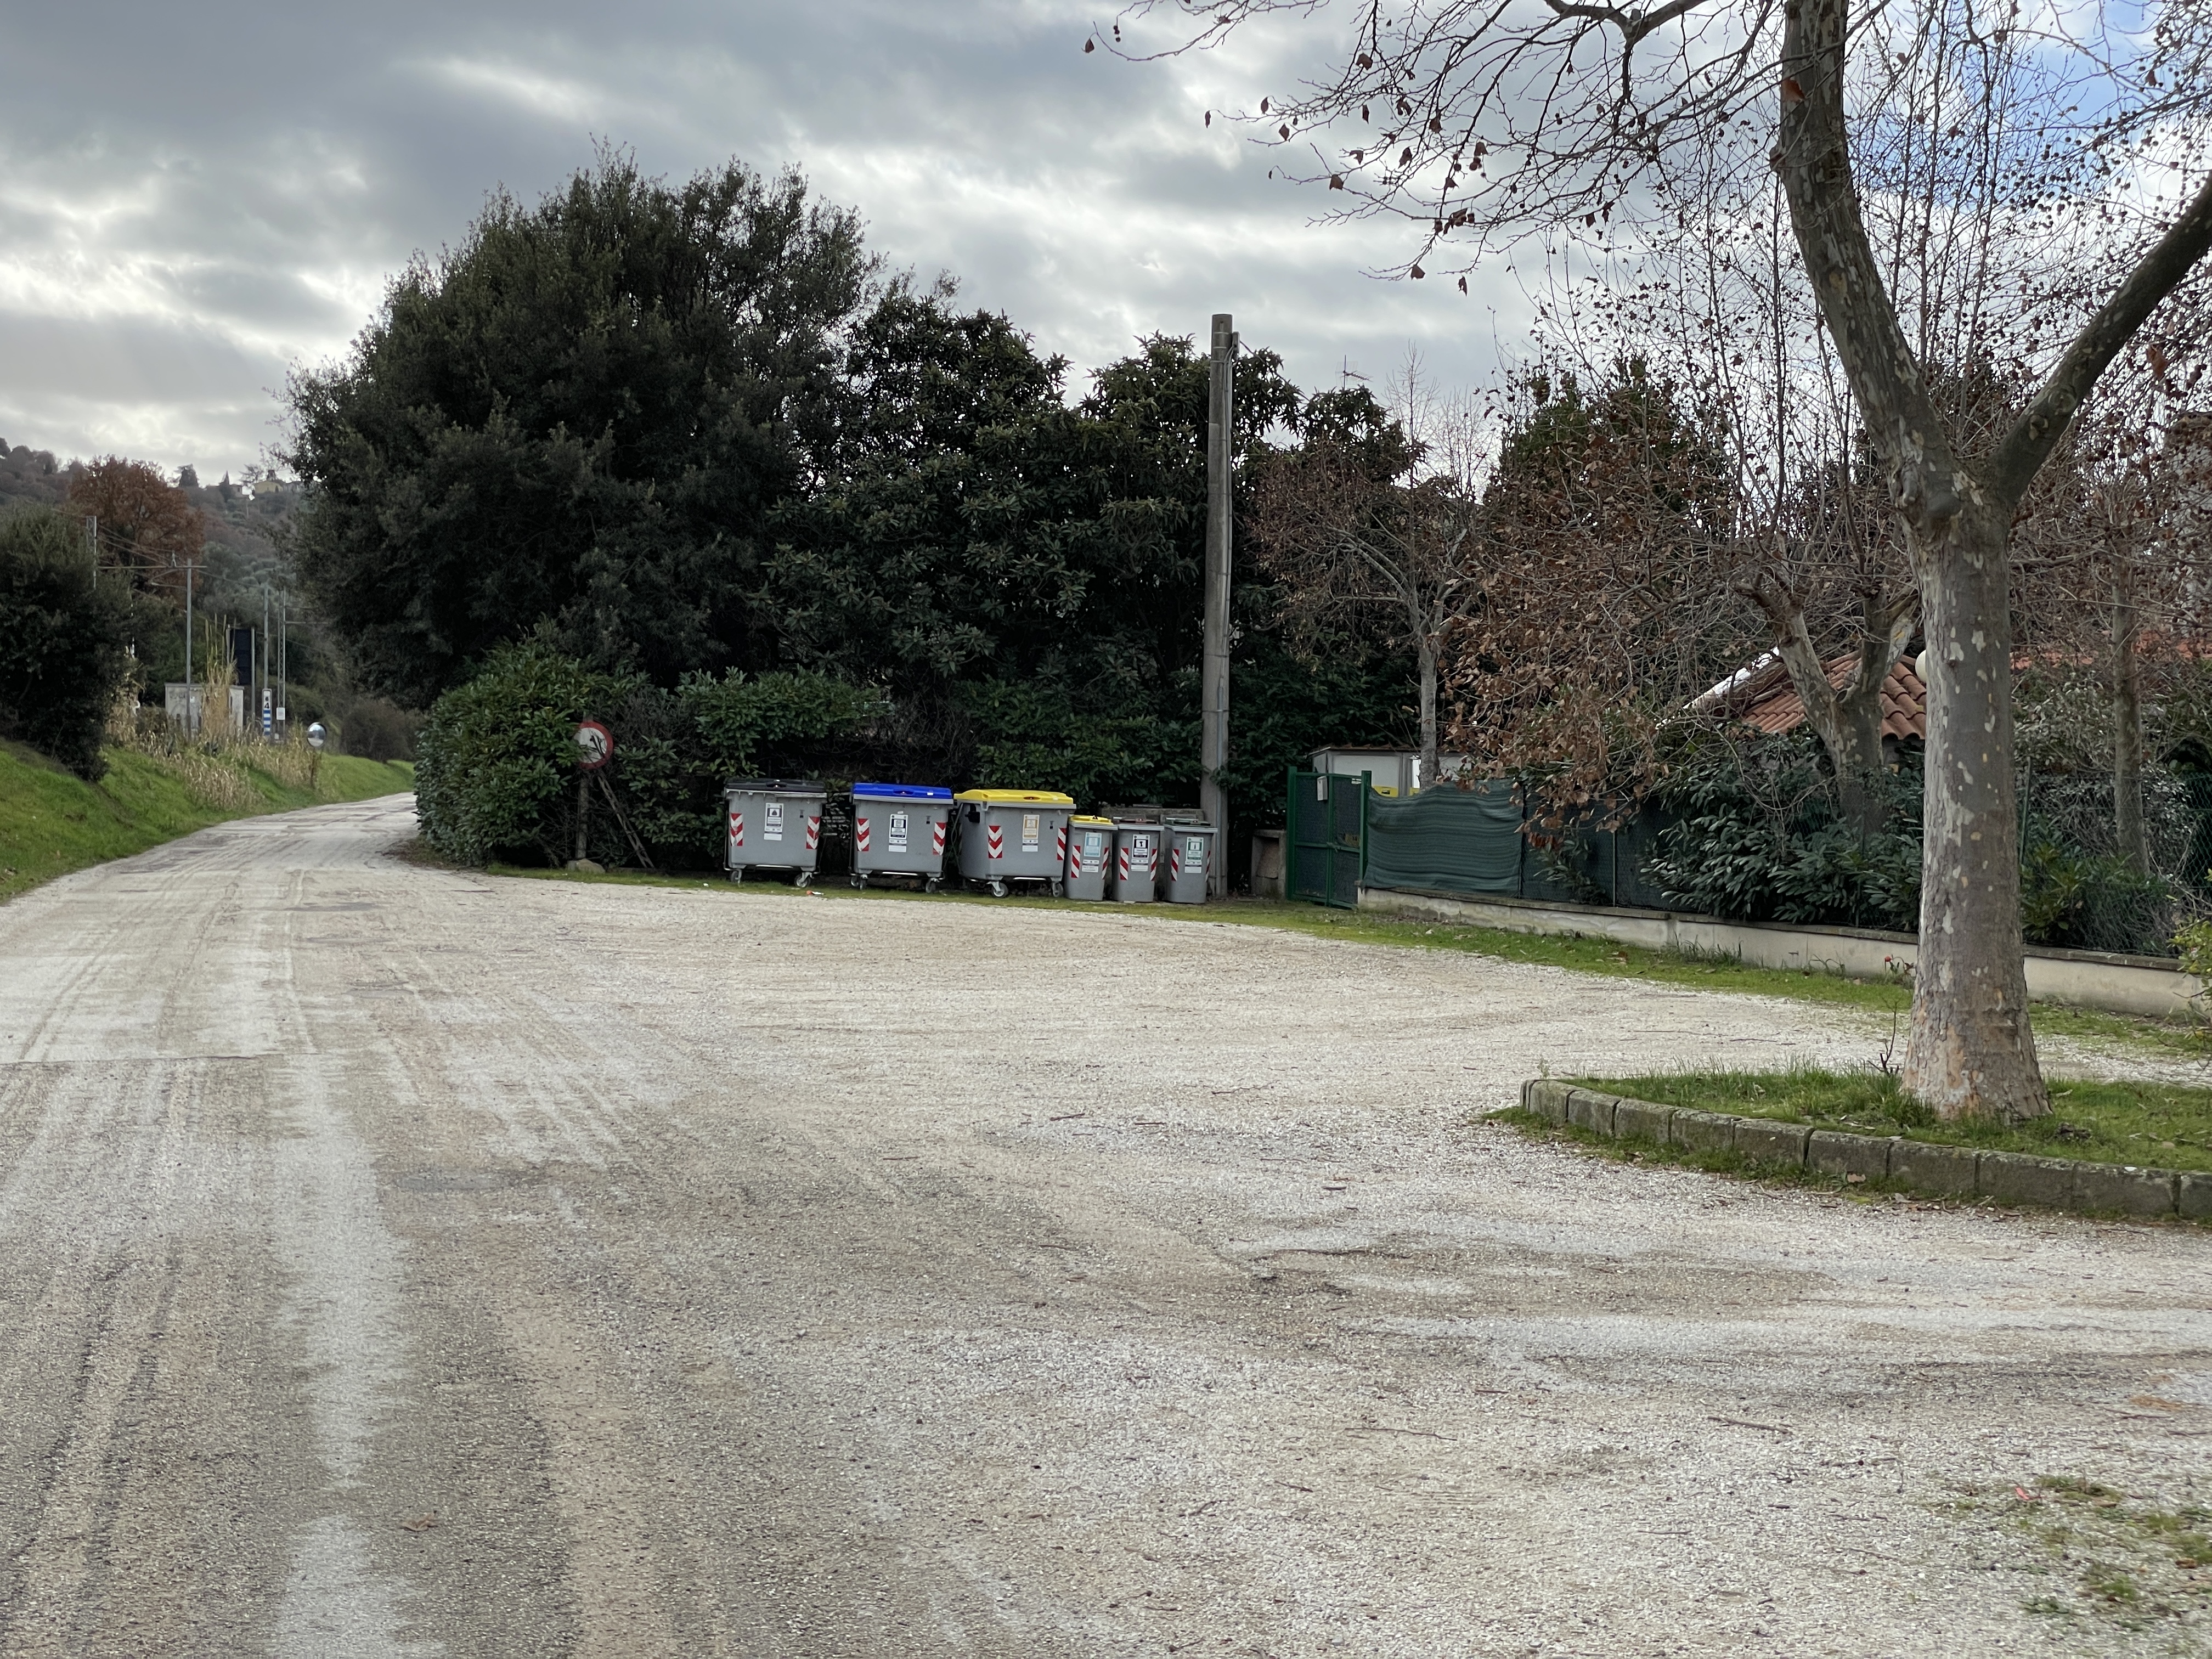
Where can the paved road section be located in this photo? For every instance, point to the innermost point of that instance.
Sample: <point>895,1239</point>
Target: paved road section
<point>402,1262</point>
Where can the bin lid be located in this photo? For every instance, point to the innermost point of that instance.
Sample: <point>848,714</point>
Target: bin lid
<point>1017,797</point>
<point>1096,823</point>
<point>777,786</point>
<point>900,791</point>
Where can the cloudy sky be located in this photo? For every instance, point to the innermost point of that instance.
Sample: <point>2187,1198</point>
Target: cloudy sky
<point>194,198</point>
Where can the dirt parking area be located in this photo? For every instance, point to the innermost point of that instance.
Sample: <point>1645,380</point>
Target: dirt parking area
<point>403,1262</point>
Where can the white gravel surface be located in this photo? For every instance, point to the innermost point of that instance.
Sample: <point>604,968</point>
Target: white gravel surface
<point>397,1261</point>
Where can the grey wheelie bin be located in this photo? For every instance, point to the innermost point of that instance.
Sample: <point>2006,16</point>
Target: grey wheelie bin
<point>899,830</point>
<point>1136,863</point>
<point>1190,859</point>
<point>773,823</point>
<point>1089,850</point>
<point>1013,834</point>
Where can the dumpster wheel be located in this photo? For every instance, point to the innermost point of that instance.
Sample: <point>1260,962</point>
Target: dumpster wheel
<point>860,881</point>
<point>998,889</point>
<point>929,886</point>
<point>1059,888</point>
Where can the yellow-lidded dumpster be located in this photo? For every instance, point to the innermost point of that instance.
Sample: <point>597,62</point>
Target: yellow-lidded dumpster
<point>1090,851</point>
<point>1013,834</point>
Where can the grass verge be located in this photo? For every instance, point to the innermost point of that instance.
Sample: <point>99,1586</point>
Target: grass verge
<point>52,822</point>
<point>1580,955</point>
<point>2130,1560</point>
<point>2166,1125</point>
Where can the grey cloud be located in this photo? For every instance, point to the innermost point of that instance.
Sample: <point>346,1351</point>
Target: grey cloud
<point>246,178</point>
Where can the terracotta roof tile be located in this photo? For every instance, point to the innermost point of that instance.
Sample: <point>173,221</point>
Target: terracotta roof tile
<point>1774,706</point>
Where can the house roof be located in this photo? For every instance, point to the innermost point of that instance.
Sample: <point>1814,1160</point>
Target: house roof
<point>1770,703</point>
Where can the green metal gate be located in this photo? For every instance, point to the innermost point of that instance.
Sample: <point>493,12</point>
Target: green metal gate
<point>1325,851</point>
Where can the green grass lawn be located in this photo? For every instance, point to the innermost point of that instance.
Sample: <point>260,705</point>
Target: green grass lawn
<point>2163,1125</point>
<point>52,822</point>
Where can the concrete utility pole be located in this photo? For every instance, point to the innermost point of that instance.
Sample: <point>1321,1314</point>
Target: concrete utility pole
<point>1213,695</point>
<point>191,724</point>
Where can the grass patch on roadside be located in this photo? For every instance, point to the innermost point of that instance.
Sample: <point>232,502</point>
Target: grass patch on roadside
<point>1580,955</point>
<point>52,822</point>
<point>2166,1125</point>
<point>2111,1556</point>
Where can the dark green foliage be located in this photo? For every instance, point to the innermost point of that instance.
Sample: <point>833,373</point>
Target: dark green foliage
<point>497,777</point>
<point>500,751</point>
<point>2069,897</point>
<point>1755,836</point>
<point>63,639</point>
<point>574,428</point>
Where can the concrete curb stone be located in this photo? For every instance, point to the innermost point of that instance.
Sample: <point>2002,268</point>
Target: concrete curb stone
<point>1587,1109</point>
<point>2194,1198</point>
<point>2059,1184</point>
<point>1838,1152</point>
<point>1771,1140</point>
<point>1642,1119</point>
<point>1924,1166</point>
<point>1702,1132</point>
<point>2018,1178</point>
<point>2125,1188</point>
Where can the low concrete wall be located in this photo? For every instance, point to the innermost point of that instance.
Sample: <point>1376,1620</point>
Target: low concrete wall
<point>1920,1166</point>
<point>2087,979</point>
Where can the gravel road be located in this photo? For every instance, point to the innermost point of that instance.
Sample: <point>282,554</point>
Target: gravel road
<point>395,1261</point>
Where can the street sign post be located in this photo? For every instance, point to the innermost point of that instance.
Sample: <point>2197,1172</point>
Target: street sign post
<point>595,746</point>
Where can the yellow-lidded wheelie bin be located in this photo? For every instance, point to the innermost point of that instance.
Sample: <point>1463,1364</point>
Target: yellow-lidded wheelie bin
<point>1013,834</point>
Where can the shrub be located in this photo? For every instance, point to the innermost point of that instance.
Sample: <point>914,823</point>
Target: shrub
<point>1756,836</point>
<point>62,641</point>
<point>496,774</point>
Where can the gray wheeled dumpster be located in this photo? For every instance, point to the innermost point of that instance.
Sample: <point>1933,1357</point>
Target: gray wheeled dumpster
<point>1013,834</point>
<point>1136,862</point>
<point>899,830</point>
<point>1190,857</point>
<point>1090,851</point>
<point>773,823</point>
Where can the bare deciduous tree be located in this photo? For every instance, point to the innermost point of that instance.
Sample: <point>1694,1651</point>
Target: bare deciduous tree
<point>1376,511</point>
<point>1491,123</point>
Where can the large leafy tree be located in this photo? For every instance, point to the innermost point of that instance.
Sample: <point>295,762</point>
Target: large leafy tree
<point>1025,575</point>
<point>576,426</point>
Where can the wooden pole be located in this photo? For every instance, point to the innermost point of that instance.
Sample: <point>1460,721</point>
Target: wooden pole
<point>1213,742</point>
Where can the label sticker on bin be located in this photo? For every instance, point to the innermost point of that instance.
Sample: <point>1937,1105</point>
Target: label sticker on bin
<point>772,822</point>
<point>1029,823</point>
<point>899,832</point>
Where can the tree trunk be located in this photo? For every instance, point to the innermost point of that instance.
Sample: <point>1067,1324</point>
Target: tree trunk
<point>1848,722</point>
<point>1427,647</point>
<point>1971,1050</point>
<point>2127,723</point>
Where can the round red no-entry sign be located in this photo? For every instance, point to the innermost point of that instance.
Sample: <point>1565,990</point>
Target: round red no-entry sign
<point>595,746</point>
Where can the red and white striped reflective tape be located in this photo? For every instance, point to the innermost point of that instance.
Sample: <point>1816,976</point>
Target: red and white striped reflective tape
<point>737,829</point>
<point>937,836</point>
<point>1075,861</point>
<point>1175,863</point>
<point>1125,864</point>
<point>813,830</point>
<point>1061,833</point>
<point>998,842</point>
